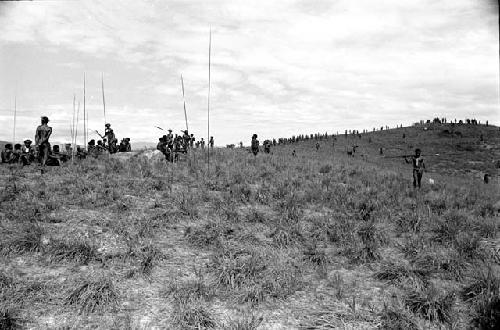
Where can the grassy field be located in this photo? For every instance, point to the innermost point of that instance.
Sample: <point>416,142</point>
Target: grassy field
<point>318,240</point>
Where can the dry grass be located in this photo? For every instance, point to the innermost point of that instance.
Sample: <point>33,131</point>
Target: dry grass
<point>274,235</point>
<point>95,294</point>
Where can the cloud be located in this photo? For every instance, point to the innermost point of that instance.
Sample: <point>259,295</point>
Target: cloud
<point>277,66</point>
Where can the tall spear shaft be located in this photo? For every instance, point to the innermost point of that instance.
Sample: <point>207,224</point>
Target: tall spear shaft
<point>208,101</point>
<point>15,117</point>
<point>76,127</point>
<point>184,100</point>
<point>103,99</point>
<point>84,116</point>
<point>73,132</point>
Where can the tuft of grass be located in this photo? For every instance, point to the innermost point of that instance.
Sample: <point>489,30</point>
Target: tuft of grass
<point>25,237</point>
<point>338,284</point>
<point>430,304</point>
<point>80,251</point>
<point>402,274</point>
<point>93,295</point>
<point>9,320</point>
<point>244,322</point>
<point>192,315</point>
<point>195,289</point>
<point>397,319</point>
<point>484,297</point>
<point>316,256</point>
<point>284,236</point>
<point>255,276</point>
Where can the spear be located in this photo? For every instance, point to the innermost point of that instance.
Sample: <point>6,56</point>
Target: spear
<point>15,117</point>
<point>73,121</point>
<point>84,116</point>
<point>208,99</point>
<point>76,127</point>
<point>103,99</point>
<point>184,100</point>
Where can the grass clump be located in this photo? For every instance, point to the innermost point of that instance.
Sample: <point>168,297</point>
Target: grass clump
<point>24,237</point>
<point>254,276</point>
<point>10,320</point>
<point>397,319</point>
<point>93,295</point>
<point>80,251</point>
<point>193,315</point>
<point>189,308</point>
<point>244,322</point>
<point>403,274</point>
<point>430,304</point>
<point>484,297</point>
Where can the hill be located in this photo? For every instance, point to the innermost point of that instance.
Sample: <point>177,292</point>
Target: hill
<point>314,240</point>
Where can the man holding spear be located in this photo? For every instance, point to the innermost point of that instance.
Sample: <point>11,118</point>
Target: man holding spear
<point>418,167</point>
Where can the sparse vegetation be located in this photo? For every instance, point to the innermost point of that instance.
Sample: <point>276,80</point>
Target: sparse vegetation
<point>93,295</point>
<point>317,240</point>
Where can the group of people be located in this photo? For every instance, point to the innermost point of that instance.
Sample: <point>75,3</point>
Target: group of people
<point>27,153</point>
<point>48,155</point>
<point>172,145</point>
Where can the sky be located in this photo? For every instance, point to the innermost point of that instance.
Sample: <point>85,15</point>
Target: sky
<point>278,68</point>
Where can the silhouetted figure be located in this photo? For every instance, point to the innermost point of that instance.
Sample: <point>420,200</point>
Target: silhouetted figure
<point>418,168</point>
<point>42,135</point>
<point>255,145</point>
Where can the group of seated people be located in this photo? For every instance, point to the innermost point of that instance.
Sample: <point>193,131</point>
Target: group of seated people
<point>26,154</point>
<point>95,150</point>
<point>171,146</point>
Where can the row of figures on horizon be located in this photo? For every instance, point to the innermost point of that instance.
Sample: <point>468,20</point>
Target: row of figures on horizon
<point>444,120</point>
<point>172,145</point>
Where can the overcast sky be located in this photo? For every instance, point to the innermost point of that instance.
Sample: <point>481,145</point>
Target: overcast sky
<point>278,67</point>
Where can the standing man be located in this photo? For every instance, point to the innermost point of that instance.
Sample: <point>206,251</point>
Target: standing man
<point>418,168</point>
<point>255,145</point>
<point>211,142</point>
<point>185,139</point>
<point>191,141</point>
<point>42,136</point>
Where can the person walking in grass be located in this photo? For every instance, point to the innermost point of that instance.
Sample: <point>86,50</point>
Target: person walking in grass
<point>42,136</point>
<point>255,145</point>
<point>418,167</point>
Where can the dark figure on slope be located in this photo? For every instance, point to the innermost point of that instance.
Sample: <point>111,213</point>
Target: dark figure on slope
<point>418,167</point>
<point>42,136</point>
<point>267,146</point>
<point>255,145</point>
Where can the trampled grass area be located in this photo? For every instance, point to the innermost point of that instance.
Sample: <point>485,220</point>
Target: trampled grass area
<point>315,241</point>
